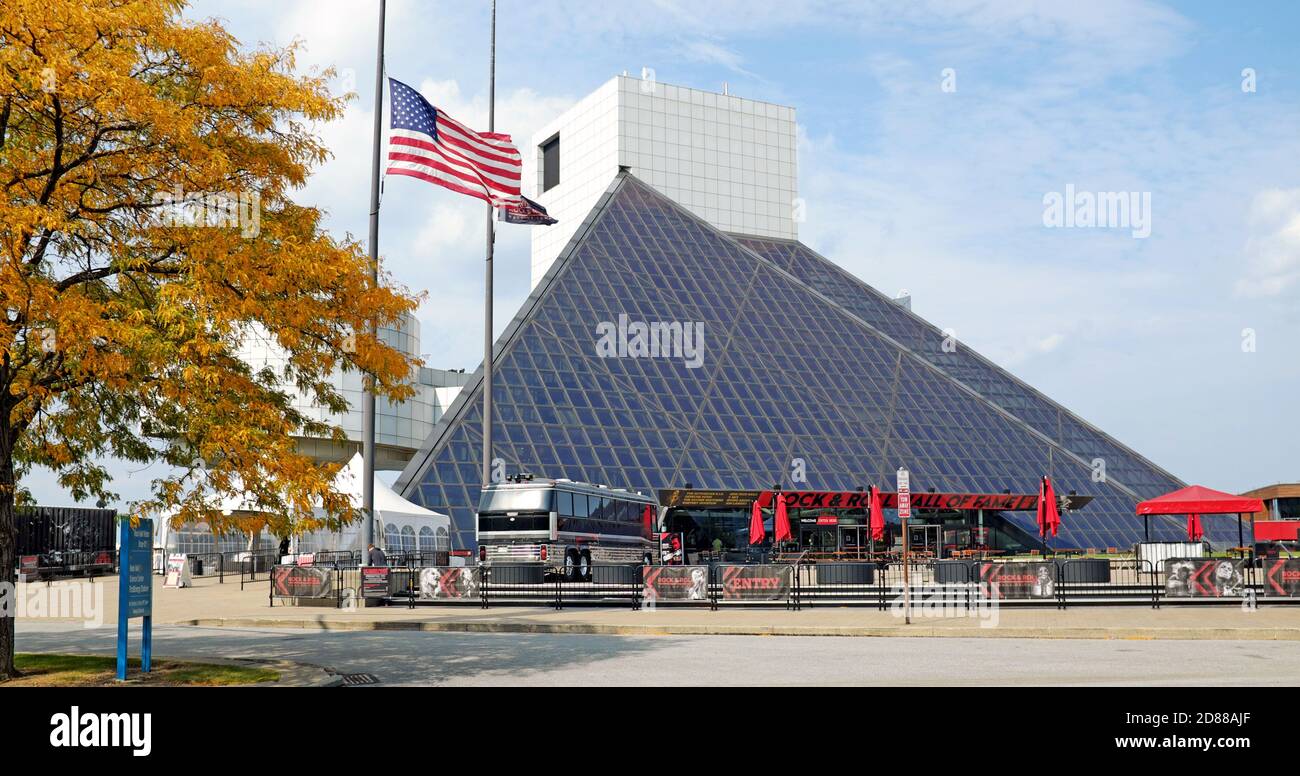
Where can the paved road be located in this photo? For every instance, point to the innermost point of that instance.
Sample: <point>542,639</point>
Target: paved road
<point>413,658</point>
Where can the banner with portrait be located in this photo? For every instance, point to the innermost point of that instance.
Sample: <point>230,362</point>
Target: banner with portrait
<point>675,583</point>
<point>1019,580</point>
<point>449,583</point>
<point>1205,577</point>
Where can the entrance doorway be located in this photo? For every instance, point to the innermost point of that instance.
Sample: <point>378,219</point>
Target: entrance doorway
<point>926,539</point>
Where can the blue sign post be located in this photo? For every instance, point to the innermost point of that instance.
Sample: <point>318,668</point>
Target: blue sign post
<point>135,590</point>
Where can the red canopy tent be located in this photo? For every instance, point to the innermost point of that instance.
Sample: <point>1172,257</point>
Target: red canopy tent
<point>1199,500</point>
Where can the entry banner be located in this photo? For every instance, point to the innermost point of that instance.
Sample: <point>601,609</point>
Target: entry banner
<point>1282,576</point>
<point>675,583</point>
<point>302,581</point>
<point>1205,577</point>
<point>1019,580</point>
<point>756,583</point>
<point>449,583</point>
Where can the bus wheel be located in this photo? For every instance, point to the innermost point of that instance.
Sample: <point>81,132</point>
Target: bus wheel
<point>584,566</point>
<point>571,566</point>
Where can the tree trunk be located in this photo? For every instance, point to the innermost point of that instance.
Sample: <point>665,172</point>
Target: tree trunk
<point>8,558</point>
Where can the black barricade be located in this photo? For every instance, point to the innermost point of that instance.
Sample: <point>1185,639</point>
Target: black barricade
<point>1280,577</point>
<point>251,565</point>
<point>1107,581</point>
<point>302,582</point>
<point>612,583</point>
<point>450,584</point>
<point>679,584</point>
<point>755,583</point>
<point>1033,582</point>
<point>1205,577</point>
<point>838,584</point>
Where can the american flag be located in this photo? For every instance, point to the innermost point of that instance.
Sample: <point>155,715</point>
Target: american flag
<point>426,143</point>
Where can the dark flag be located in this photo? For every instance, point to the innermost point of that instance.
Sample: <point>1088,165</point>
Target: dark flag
<point>525,211</point>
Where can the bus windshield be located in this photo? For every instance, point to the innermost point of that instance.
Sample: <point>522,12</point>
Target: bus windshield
<point>517,500</point>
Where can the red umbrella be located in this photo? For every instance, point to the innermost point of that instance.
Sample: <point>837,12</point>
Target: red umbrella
<point>1194,530</point>
<point>1053,511</point>
<point>648,521</point>
<point>756,532</point>
<point>1049,516</point>
<point>877,516</point>
<point>782,529</point>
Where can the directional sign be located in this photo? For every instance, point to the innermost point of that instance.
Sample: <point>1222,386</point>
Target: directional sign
<point>135,589</point>
<point>904,494</point>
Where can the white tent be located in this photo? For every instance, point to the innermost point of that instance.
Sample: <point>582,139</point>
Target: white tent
<point>400,526</point>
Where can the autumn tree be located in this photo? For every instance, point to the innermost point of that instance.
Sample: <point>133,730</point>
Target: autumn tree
<point>147,226</point>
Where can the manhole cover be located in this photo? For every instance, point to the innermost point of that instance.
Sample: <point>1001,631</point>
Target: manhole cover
<point>356,680</point>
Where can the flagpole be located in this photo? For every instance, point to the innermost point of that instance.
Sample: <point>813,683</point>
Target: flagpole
<point>487,285</point>
<point>368,427</point>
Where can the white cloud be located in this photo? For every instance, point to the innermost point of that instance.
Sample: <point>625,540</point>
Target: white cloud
<point>1273,248</point>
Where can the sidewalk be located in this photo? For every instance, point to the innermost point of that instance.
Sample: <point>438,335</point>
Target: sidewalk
<point>214,605</point>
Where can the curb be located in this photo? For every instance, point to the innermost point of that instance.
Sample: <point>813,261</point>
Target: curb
<point>901,631</point>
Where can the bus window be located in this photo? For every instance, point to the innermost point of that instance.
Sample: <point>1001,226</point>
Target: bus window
<point>566,503</point>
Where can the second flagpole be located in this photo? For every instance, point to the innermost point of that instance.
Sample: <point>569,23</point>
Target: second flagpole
<point>487,291</point>
<point>368,423</point>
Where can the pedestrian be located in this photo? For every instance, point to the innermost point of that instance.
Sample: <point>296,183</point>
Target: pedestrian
<point>375,556</point>
<point>284,546</point>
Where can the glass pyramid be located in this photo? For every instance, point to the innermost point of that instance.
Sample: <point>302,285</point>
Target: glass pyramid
<point>799,359</point>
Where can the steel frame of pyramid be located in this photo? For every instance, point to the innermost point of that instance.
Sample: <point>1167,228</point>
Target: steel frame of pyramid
<point>803,360</point>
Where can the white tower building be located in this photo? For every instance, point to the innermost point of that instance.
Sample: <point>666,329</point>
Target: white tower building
<point>400,428</point>
<point>729,160</point>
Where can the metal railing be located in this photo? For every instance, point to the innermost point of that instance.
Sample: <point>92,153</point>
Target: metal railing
<point>1058,582</point>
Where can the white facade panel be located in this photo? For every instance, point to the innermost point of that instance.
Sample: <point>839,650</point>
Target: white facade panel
<point>729,160</point>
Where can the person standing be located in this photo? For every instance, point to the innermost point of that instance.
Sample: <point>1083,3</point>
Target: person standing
<point>375,556</point>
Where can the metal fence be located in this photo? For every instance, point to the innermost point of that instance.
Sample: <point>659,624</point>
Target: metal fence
<point>1056,582</point>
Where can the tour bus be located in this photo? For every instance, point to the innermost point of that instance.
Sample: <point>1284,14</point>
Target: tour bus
<point>566,525</point>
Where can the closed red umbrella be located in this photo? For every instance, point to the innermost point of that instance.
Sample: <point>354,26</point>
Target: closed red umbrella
<point>877,516</point>
<point>1194,530</point>
<point>1053,512</point>
<point>756,532</point>
<point>782,527</point>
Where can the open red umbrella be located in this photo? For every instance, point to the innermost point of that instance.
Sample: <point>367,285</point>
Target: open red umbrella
<point>782,526</point>
<point>648,521</point>
<point>877,516</point>
<point>756,532</point>
<point>1194,530</point>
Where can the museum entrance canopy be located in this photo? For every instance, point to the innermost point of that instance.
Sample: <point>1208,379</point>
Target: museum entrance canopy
<point>836,523</point>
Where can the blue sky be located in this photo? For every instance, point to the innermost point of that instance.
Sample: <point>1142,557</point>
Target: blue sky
<point>913,187</point>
